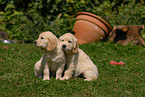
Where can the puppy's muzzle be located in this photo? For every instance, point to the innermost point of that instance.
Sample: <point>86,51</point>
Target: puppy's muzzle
<point>64,46</point>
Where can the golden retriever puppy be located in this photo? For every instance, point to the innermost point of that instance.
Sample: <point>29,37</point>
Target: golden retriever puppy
<point>77,61</point>
<point>53,59</point>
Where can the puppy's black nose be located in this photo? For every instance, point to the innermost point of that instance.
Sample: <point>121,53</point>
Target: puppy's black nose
<point>64,46</point>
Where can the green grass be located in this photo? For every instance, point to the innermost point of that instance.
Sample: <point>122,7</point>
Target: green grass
<point>17,72</point>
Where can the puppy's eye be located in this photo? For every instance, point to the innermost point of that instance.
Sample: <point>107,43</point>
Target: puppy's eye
<point>70,41</point>
<point>42,37</point>
<point>62,40</point>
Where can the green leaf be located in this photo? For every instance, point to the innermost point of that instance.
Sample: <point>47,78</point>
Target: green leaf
<point>2,2</point>
<point>9,6</point>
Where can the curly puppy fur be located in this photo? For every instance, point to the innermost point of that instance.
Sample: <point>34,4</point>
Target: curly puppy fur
<point>53,59</point>
<point>76,60</point>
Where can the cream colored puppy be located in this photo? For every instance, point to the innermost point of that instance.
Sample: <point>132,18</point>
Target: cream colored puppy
<point>53,59</point>
<point>76,60</point>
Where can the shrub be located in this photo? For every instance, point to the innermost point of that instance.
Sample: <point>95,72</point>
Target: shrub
<point>25,20</point>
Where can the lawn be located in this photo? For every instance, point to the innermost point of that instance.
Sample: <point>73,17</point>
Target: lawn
<point>18,79</point>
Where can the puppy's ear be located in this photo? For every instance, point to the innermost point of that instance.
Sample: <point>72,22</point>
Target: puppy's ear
<point>76,46</point>
<point>52,43</point>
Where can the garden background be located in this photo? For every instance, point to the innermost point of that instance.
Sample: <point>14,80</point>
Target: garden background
<point>24,20</point>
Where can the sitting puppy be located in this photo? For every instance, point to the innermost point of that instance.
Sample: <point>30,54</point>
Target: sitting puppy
<point>76,59</point>
<point>53,59</point>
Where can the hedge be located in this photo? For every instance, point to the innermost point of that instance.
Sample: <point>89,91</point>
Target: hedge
<point>25,19</point>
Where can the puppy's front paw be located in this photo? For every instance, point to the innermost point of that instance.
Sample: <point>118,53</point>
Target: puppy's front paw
<point>87,80</point>
<point>64,78</point>
<point>46,78</point>
<point>61,79</point>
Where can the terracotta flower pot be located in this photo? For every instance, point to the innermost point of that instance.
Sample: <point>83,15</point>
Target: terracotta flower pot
<point>90,28</point>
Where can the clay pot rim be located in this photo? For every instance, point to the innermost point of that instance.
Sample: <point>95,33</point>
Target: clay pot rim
<point>95,16</point>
